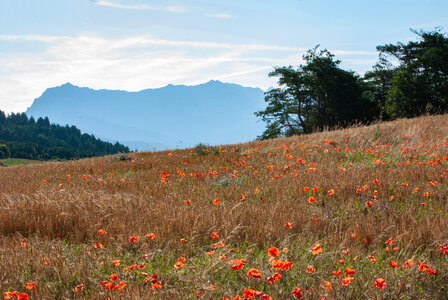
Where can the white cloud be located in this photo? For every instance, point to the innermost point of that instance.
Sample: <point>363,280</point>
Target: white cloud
<point>132,64</point>
<point>219,16</point>
<point>173,9</point>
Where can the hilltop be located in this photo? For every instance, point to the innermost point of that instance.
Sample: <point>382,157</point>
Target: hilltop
<point>175,116</point>
<point>353,213</point>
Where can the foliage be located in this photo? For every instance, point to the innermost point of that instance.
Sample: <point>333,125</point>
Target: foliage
<point>4,151</point>
<point>27,138</point>
<point>314,96</point>
<point>319,94</point>
<point>419,84</point>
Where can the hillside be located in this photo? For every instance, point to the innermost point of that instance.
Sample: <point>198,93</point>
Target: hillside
<point>359,213</point>
<point>164,118</point>
<point>41,140</point>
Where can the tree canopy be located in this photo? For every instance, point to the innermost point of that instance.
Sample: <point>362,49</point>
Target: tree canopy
<point>408,80</point>
<point>31,139</point>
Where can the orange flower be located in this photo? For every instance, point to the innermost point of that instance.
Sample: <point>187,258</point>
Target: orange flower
<point>248,293</point>
<point>273,252</point>
<point>369,204</point>
<point>116,263</point>
<point>389,241</point>
<point>331,192</point>
<point>22,296</point>
<point>316,249</point>
<point>187,202</point>
<point>315,190</point>
<point>346,281</point>
<point>408,263</point>
<point>151,236</point>
<point>156,285</point>
<point>380,283</point>
<point>306,189</point>
<point>288,225</point>
<point>349,272</point>
<point>327,285</point>
<point>242,197</point>
<point>30,285</point>
<point>214,235</point>
<point>257,191</point>
<point>276,277</point>
<point>393,264</point>
<point>253,273</point>
<point>310,269</point>
<point>133,239</point>
<point>297,292</point>
<point>98,245</point>
<point>311,199</point>
<point>216,201</point>
<point>336,273</point>
<point>238,264</point>
<point>102,232</point>
<point>376,181</point>
<point>178,265</point>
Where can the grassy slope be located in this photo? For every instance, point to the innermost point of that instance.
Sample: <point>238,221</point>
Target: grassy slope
<point>8,162</point>
<point>48,230</point>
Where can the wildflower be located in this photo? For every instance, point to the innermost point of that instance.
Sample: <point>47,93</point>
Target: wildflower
<point>380,283</point>
<point>274,278</point>
<point>98,245</point>
<point>216,201</point>
<point>133,239</point>
<point>327,286</point>
<point>102,232</point>
<point>297,292</point>
<point>310,269</point>
<point>156,285</point>
<point>349,272</point>
<point>187,202</point>
<point>253,273</point>
<point>151,236</point>
<point>408,263</point>
<point>316,249</point>
<point>311,199</point>
<point>288,225</point>
<point>248,293</point>
<point>336,273</point>
<point>273,252</point>
<point>242,198</point>
<point>238,264</point>
<point>331,192</point>
<point>393,264</point>
<point>389,241</point>
<point>116,263</point>
<point>214,235</point>
<point>369,204</point>
<point>30,285</point>
<point>346,281</point>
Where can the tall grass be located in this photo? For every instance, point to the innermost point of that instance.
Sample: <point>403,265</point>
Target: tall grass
<point>50,214</point>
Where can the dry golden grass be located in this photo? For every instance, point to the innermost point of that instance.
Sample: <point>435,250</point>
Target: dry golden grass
<point>49,223</point>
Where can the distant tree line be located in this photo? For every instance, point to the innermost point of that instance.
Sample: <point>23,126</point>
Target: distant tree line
<point>409,80</point>
<point>23,137</point>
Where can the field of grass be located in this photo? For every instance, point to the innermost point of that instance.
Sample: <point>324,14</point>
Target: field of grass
<point>7,162</point>
<point>359,213</point>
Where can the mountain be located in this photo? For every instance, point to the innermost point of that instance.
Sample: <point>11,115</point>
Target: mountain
<point>175,116</point>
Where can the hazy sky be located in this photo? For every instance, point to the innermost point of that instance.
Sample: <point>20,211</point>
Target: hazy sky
<point>137,44</point>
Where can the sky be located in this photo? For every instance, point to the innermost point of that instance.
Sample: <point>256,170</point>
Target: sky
<point>138,44</point>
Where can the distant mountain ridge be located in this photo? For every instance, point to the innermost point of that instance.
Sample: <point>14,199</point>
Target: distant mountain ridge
<point>175,116</point>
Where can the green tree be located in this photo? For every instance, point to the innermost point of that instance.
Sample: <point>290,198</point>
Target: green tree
<point>420,82</point>
<point>316,95</point>
<point>4,151</point>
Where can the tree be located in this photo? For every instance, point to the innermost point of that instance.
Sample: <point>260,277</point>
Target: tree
<point>4,151</point>
<point>316,95</point>
<point>420,82</point>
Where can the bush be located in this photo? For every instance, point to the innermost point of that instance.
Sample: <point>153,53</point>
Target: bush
<point>4,151</point>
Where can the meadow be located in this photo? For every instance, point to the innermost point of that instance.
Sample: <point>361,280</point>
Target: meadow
<point>357,213</point>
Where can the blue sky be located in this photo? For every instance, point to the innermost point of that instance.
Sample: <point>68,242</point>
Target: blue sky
<point>137,44</point>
